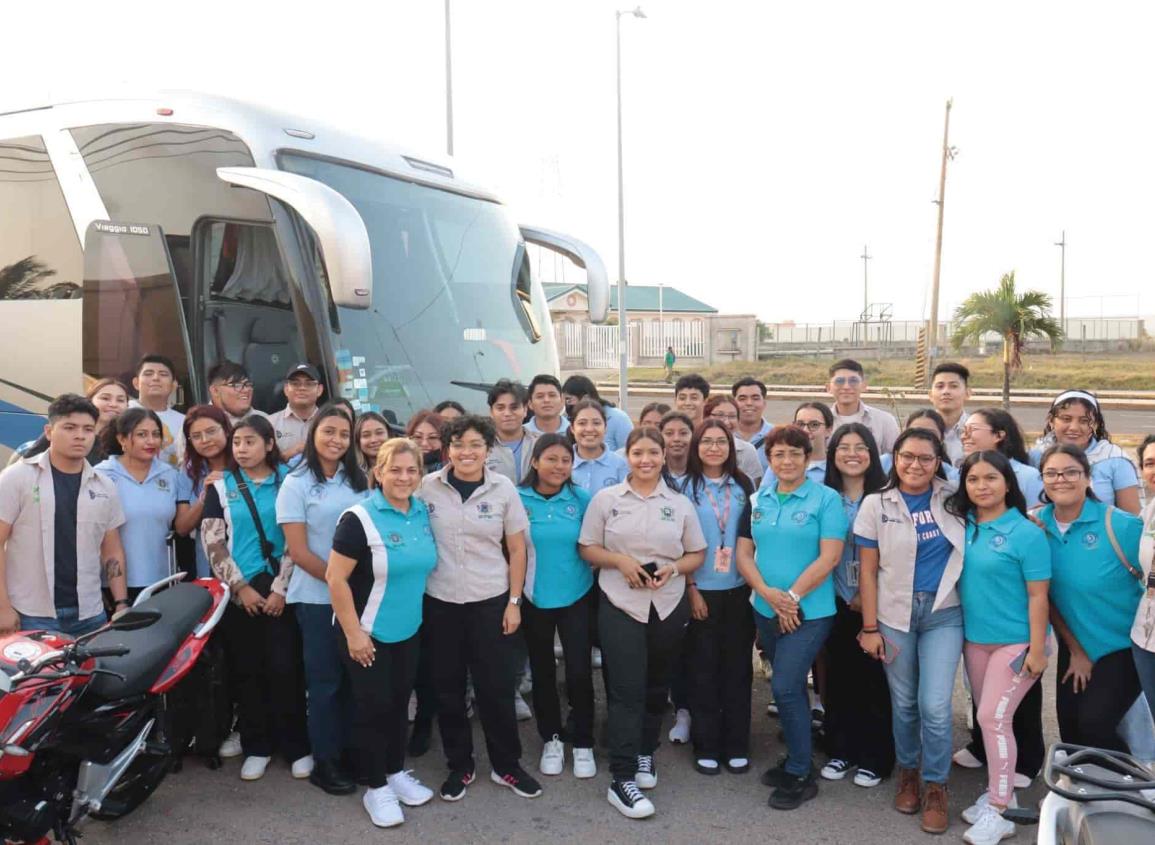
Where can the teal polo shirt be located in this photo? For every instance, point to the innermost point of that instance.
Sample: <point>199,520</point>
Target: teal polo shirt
<point>786,539</point>
<point>224,501</point>
<point>1090,587</point>
<point>1001,556</point>
<point>555,575</point>
<point>395,553</point>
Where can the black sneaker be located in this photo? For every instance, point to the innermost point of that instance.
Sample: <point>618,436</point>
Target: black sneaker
<point>454,787</point>
<point>793,792</point>
<point>518,780</point>
<point>776,775</point>
<point>647,774</point>
<point>625,797</point>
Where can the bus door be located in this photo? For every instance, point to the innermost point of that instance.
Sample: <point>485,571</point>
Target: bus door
<point>131,305</point>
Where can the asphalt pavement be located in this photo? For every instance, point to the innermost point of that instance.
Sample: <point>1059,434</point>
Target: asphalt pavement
<point>197,806</point>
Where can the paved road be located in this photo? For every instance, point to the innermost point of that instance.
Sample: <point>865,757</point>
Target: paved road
<point>199,806</point>
<point>1030,417</point>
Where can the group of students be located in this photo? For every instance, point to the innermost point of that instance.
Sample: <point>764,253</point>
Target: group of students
<point>368,568</point>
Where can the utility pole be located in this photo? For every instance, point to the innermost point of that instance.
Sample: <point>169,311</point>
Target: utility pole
<point>947,153</point>
<point>1062,245</point>
<point>448,84</point>
<point>866,256</point>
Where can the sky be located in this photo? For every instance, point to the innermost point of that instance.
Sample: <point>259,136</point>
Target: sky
<point>765,143</point>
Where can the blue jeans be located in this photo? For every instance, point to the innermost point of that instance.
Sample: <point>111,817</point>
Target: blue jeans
<point>329,699</point>
<point>921,679</point>
<point>66,621</point>
<point>791,656</point>
<point>1145,665</point>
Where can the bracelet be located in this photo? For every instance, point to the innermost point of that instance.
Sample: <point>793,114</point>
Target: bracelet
<point>118,602</point>
<point>869,631</point>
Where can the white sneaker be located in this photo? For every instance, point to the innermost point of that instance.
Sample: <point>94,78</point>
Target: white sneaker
<point>972,813</point>
<point>409,790</point>
<point>303,767</point>
<point>231,747</point>
<point>552,757</point>
<point>966,760</point>
<point>382,806</point>
<point>254,768</point>
<point>836,769</point>
<point>628,800</point>
<point>866,778</point>
<point>584,765</point>
<point>412,707</point>
<point>521,708</point>
<point>596,657</point>
<point>990,829</point>
<point>647,774</point>
<point>680,732</point>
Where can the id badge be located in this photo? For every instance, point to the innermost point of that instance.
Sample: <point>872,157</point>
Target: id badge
<point>722,557</point>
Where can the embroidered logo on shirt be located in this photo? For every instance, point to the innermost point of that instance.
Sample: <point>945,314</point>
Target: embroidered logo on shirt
<point>997,542</point>
<point>667,514</point>
<point>396,539</point>
<point>162,483</point>
<point>571,510</point>
<point>233,495</point>
<point>613,511</point>
<point>317,491</point>
<point>483,508</point>
<point>1090,540</point>
<point>429,507</point>
<point>94,495</point>
<point>800,517</point>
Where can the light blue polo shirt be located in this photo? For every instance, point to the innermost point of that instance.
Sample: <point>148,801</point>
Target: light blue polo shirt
<point>618,428</point>
<point>244,541</point>
<point>318,505</point>
<point>723,489</point>
<point>149,508</point>
<point>606,470</point>
<point>1092,590</point>
<point>816,472</point>
<point>786,539</point>
<point>555,575</point>
<point>1000,557</point>
<point>850,565</point>
<point>1030,482</point>
<point>188,490</point>
<point>758,441</point>
<point>562,428</point>
<point>395,553</point>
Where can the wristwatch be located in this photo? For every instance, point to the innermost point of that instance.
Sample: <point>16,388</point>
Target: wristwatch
<point>515,600</point>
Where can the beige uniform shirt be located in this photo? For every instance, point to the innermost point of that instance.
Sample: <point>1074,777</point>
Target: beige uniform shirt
<point>28,504</point>
<point>747,457</point>
<point>471,565</point>
<point>885,518</point>
<point>882,424</point>
<point>501,458</point>
<point>660,527</point>
<point>291,429</point>
<point>1143,631</point>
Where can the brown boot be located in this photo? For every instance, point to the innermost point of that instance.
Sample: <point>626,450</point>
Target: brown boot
<point>907,799</point>
<point>934,808</point>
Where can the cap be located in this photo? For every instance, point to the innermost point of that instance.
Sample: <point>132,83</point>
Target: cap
<point>304,370</point>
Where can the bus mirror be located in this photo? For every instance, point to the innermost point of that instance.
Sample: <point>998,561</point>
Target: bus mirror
<point>340,231</point>
<point>583,255</point>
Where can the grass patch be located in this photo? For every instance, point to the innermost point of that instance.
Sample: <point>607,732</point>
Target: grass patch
<point>1119,371</point>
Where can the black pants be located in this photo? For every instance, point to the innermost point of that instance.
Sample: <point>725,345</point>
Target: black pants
<point>468,638</point>
<point>266,673</point>
<point>1092,716</point>
<point>572,624</point>
<point>1028,729</point>
<point>641,656</point>
<point>858,721</point>
<point>423,682</point>
<point>381,706</point>
<point>720,676</point>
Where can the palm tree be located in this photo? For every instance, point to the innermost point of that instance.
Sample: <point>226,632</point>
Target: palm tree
<point>1014,317</point>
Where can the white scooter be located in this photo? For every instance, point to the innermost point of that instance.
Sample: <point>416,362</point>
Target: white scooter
<point>1095,797</point>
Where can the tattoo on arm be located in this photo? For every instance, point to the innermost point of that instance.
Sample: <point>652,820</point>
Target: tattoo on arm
<point>113,568</point>
<point>214,537</point>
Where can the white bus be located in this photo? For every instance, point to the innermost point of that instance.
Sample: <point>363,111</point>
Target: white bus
<point>207,229</point>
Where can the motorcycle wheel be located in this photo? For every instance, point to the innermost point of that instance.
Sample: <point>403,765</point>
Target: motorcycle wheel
<point>135,786</point>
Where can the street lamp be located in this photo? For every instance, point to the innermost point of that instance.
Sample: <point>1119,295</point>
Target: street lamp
<point>623,322</point>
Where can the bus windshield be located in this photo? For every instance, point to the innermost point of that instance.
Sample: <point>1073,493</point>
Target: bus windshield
<point>454,304</point>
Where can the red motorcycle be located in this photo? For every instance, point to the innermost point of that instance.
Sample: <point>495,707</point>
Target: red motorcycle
<point>83,726</point>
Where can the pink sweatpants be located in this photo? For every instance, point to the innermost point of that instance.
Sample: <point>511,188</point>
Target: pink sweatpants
<point>998,690</point>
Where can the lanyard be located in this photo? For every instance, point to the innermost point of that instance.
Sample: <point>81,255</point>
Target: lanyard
<point>723,517</point>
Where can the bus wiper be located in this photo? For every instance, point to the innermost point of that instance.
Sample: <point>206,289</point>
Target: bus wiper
<point>473,385</point>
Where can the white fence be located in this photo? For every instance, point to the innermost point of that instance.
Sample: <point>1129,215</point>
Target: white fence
<point>906,331</point>
<point>687,338</point>
<point>597,346</point>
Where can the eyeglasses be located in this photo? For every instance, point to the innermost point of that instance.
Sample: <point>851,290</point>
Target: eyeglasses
<point>467,446</point>
<point>971,430</point>
<point>207,434</point>
<point>714,443</point>
<point>1050,476</point>
<point>813,425</point>
<point>856,449</point>
<point>239,385</point>
<point>724,417</point>
<point>782,454</point>
<point>910,458</point>
<point>1081,422</point>
<point>847,381</point>
<point>427,439</point>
